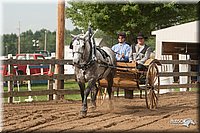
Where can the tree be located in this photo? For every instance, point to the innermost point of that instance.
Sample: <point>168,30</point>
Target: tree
<point>68,33</point>
<point>10,41</point>
<point>9,44</point>
<point>130,17</point>
<point>26,41</point>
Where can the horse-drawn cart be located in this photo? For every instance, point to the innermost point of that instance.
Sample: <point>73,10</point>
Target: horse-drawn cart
<point>127,76</point>
<point>92,63</point>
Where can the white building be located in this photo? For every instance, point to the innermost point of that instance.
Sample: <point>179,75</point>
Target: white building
<point>180,42</point>
<point>180,34</point>
<point>68,69</point>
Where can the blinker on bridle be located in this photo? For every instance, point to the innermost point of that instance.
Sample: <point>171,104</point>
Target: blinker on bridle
<point>78,39</point>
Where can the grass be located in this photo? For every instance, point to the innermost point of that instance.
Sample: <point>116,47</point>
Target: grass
<point>73,97</point>
<point>69,85</point>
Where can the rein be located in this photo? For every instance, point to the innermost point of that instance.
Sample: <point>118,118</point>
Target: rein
<point>85,66</point>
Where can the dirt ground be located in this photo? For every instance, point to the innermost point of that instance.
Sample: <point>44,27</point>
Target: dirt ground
<point>127,115</point>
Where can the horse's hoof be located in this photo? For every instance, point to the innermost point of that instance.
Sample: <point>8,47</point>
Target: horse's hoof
<point>93,108</point>
<point>83,113</point>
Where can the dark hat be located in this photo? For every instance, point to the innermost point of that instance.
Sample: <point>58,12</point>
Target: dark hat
<point>123,34</point>
<point>141,35</point>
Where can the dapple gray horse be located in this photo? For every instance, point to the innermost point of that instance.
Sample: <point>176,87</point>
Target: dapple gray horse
<point>91,64</point>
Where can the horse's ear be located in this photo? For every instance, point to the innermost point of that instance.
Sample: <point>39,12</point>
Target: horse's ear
<point>86,34</point>
<point>73,36</point>
<point>71,46</point>
<point>94,33</point>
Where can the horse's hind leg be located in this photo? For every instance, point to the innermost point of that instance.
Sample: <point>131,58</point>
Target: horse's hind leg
<point>110,84</point>
<point>90,85</point>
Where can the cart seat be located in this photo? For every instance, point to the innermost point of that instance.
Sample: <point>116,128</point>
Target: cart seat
<point>125,76</point>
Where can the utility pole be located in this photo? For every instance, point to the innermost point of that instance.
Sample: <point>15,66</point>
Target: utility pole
<point>18,44</point>
<point>59,69</point>
<point>45,40</point>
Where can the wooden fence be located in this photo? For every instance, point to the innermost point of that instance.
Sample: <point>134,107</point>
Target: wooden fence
<point>189,73</point>
<point>51,77</point>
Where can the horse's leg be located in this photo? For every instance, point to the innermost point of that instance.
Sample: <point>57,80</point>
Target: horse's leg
<point>91,84</point>
<point>93,96</point>
<point>82,88</point>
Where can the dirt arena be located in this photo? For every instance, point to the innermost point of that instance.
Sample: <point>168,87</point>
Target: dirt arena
<point>127,115</point>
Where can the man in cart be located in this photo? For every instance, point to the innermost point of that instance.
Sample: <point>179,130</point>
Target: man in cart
<point>122,49</point>
<point>140,52</point>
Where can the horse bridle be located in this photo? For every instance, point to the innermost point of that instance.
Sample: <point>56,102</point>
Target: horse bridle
<point>89,62</point>
<point>81,53</point>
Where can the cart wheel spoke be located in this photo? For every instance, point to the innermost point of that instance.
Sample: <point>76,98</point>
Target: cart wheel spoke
<point>155,80</point>
<point>155,99</point>
<point>151,105</point>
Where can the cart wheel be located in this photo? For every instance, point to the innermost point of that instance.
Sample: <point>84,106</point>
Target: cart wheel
<point>152,86</point>
<point>101,95</point>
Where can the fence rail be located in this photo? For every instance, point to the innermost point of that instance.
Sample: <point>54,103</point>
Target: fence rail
<point>40,93</point>
<point>38,77</point>
<point>51,77</point>
<point>190,62</point>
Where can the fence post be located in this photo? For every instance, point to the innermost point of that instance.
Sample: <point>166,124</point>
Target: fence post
<point>28,71</point>
<point>189,77</point>
<point>51,80</point>
<point>10,82</point>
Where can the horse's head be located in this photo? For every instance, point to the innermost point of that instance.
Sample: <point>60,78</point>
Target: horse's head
<point>78,48</point>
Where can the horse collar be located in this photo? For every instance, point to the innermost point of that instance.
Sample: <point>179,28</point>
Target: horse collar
<point>85,66</point>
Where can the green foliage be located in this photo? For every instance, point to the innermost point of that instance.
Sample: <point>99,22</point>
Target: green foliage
<point>130,17</point>
<point>151,42</point>
<point>10,41</point>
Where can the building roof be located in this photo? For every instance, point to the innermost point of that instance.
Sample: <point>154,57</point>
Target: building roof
<point>187,32</point>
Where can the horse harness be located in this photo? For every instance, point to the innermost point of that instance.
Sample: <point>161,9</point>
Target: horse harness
<point>91,61</point>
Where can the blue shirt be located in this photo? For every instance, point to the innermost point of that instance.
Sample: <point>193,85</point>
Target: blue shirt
<point>121,48</point>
